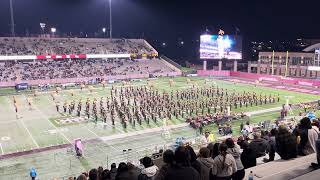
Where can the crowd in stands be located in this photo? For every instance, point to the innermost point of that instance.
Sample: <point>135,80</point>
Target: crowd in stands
<point>51,46</point>
<point>223,160</point>
<point>53,69</point>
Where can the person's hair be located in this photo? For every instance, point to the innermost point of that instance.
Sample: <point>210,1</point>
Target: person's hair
<point>168,156</point>
<point>223,151</point>
<point>147,162</point>
<point>316,123</point>
<point>93,174</point>
<point>82,177</point>
<point>256,135</point>
<point>210,147</point>
<point>113,165</point>
<point>215,150</point>
<point>192,155</point>
<point>204,152</point>
<point>245,145</point>
<point>122,167</point>
<point>305,123</point>
<point>230,143</point>
<point>282,129</point>
<point>182,156</point>
<point>105,175</point>
<point>100,170</point>
<point>274,132</point>
<point>264,133</point>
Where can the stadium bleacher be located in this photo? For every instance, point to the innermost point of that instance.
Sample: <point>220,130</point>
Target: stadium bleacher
<point>48,46</point>
<point>73,70</point>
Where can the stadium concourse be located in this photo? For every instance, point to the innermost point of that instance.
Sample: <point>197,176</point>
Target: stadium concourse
<point>83,104</point>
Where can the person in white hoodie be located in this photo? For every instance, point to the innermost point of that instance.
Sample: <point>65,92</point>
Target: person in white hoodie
<point>234,150</point>
<point>206,163</point>
<point>224,165</point>
<point>150,170</point>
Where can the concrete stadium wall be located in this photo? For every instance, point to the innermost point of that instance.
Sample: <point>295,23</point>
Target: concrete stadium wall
<point>260,77</point>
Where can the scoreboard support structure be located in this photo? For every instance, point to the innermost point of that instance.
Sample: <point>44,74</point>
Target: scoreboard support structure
<point>205,65</point>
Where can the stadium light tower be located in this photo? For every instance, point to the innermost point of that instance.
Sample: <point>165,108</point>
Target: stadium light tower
<point>110,16</point>
<point>53,31</point>
<point>12,19</point>
<point>104,31</point>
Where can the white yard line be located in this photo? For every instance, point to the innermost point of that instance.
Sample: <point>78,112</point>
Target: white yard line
<point>1,149</point>
<point>47,118</point>
<point>97,136</point>
<point>25,127</point>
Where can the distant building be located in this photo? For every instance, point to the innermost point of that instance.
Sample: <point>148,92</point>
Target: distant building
<point>305,64</point>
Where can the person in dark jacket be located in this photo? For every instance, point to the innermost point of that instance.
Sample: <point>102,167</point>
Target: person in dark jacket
<point>150,170</point>
<point>93,174</point>
<point>105,175</point>
<point>113,171</point>
<point>133,171</point>
<point>193,159</point>
<point>168,159</point>
<point>258,145</point>
<point>271,145</point>
<point>286,145</point>
<point>215,151</point>
<point>122,172</point>
<point>182,169</point>
<point>248,157</point>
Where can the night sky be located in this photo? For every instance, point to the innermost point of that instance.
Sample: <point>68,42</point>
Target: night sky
<point>169,21</point>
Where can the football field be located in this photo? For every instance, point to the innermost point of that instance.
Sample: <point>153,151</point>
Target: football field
<point>40,137</point>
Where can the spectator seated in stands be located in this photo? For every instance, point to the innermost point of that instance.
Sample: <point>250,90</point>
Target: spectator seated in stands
<point>88,68</point>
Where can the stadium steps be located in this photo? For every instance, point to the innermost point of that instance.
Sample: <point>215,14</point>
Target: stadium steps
<point>18,75</point>
<point>284,169</point>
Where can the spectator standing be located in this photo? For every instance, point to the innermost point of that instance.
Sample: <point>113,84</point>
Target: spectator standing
<point>93,174</point>
<point>113,171</point>
<point>224,165</point>
<point>258,145</point>
<point>248,157</point>
<point>271,145</point>
<point>33,174</point>
<point>308,136</point>
<point>286,145</point>
<point>122,172</point>
<point>133,171</point>
<point>235,152</point>
<point>182,169</point>
<point>168,159</point>
<point>193,159</point>
<point>206,163</point>
<point>149,171</point>
<point>82,177</point>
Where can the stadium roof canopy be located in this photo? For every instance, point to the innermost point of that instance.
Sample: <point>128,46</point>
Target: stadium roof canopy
<point>312,47</point>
